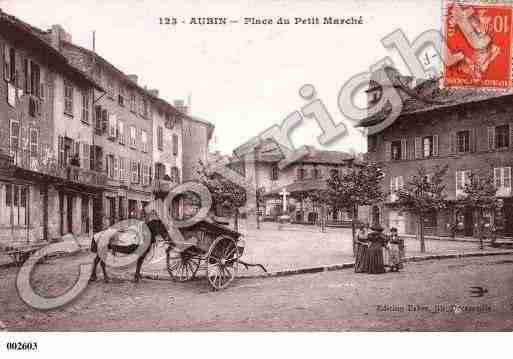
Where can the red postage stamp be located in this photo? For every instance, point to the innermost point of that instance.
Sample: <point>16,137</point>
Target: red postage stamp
<point>478,52</point>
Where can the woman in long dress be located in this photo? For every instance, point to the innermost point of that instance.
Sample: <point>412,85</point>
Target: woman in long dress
<point>360,263</point>
<point>375,252</point>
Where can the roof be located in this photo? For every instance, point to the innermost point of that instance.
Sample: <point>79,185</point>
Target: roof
<point>326,157</point>
<point>40,37</point>
<point>428,96</point>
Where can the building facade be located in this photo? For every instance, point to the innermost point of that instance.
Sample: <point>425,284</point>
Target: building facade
<point>298,181</point>
<point>469,131</point>
<point>46,115</point>
<point>137,140</point>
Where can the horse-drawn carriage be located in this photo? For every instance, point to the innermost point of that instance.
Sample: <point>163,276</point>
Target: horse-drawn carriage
<point>209,246</point>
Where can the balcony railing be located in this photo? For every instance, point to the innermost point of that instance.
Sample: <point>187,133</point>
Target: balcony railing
<point>43,163</point>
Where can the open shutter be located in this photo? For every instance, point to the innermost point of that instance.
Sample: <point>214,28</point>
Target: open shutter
<point>7,63</point>
<point>452,142</point>
<point>507,178</point>
<point>418,147</point>
<point>404,149</point>
<point>491,138</point>
<point>435,145</point>
<point>92,157</point>
<point>388,151</point>
<point>473,140</point>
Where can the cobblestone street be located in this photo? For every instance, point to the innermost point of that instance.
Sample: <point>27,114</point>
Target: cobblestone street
<point>340,300</point>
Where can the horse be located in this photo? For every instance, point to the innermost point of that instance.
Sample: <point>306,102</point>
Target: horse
<point>156,227</point>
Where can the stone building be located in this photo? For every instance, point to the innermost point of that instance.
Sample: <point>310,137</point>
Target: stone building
<point>297,180</point>
<point>46,110</point>
<point>196,135</point>
<point>469,130</point>
<point>137,139</point>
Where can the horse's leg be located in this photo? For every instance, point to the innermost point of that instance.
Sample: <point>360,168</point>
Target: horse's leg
<point>140,261</point>
<point>95,264</point>
<point>105,276</point>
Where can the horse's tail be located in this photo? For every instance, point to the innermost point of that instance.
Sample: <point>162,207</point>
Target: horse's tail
<point>94,245</point>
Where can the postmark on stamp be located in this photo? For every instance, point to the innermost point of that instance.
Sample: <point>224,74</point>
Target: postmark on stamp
<point>482,36</point>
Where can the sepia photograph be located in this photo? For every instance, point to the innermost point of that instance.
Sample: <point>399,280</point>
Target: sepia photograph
<point>222,168</point>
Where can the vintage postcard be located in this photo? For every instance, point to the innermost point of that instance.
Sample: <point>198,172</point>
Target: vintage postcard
<point>242,166</point>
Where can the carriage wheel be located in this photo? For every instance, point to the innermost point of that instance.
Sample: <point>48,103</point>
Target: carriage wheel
<point>222,262</point>
<point>182,266</point>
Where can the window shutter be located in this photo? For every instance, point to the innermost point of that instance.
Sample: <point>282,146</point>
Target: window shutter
<point>388,151</point>
<point>473,140</point>
<point>452,142</point>
<point>497,177</point>
<point>418,147</point>
<point>7,63</point>
<point>507,177</point>
<point>458,180</point>
<point>92,157</point>
<point>491,138</point>
<point>26,73</point>
<point>435,145</point>
<point>404,149</point>
<point>116,166</point>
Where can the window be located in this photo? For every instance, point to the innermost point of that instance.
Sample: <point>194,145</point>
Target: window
<point>144,108</point>
<point>110,88</point>
<point>427,146</point>
<point>33,142</point>
<point>32,73</point>
<point>14,210</point>
<point>134,170</point>
<point>462,179</point>
<point>300,174</point>
<point>502,137</point>
<point>133,134</point>
<point>502,180</point>
<point>170,121</point>
<point>122,169</point>
<point>396,150</point>
<point>98,118</point>
<point>463,141</point>
<point>160,171</point>
<point>175,144</point>
<point>15,135</point>
<point>133,102</point>
<point>85,158</point>
<point>68,98</point>
<point>316,173</point>
<point>110,166</point>
<point>120,133</point>
<point>144,140</point>
<point>145,174</point>
<point>113,126</point>
<point>85,106</point>
<point>9,63</point>
<point>121,95</point>
<point>160,138</point>
<point>274,172</point>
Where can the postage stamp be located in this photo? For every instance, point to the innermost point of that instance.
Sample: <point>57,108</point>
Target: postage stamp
<point>480,37</point>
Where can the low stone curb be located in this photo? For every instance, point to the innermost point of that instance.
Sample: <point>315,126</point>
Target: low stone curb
<point>334,267</point>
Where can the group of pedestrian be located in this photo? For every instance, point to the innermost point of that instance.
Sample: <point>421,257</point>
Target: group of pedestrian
<point>376,251</point>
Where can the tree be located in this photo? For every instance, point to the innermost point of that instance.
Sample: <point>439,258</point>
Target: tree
<point>479,194</point>
<point>323,198</point>
<point>360,186</point>
<point>225,194</point>
<point>423,195</point>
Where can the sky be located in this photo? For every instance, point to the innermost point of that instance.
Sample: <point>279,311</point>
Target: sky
<point>242,78</point>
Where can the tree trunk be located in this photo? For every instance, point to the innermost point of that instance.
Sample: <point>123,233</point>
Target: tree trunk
<point>353,226</point>
<point>421,234</point>
<point>323,217</point>
<point>236,220</point>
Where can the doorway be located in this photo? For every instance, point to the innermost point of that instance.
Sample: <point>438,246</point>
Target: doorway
<point>468,221</point>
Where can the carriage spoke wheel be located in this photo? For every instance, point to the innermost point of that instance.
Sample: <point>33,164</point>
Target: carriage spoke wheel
<point>222,264</point>
<point>182,266</point>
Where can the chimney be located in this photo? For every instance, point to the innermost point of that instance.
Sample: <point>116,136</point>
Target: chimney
<point>154,92</point>
<point>133,78</point>
<point>58,34</point>
<point>180,106</point>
